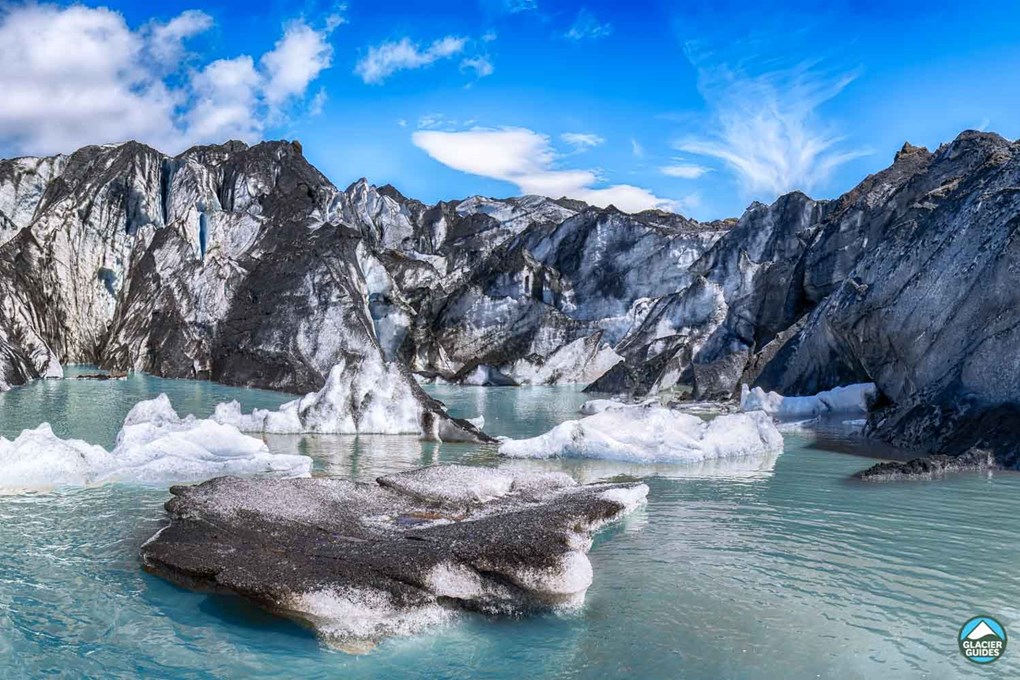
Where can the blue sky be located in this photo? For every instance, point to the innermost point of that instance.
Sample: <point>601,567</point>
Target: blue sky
<point>698,107</point>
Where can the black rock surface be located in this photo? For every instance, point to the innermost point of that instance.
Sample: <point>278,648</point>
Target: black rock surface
<point>929,467</point>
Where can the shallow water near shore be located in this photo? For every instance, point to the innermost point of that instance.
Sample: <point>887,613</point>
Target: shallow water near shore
<point>777,568</point>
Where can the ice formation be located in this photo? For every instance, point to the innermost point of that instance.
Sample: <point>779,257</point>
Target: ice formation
<point>651,434</point>
<point>593,406</point>
<point>359,562</point>
<point>848,400</point>
<point>155,446</point>
<point>361,396</point>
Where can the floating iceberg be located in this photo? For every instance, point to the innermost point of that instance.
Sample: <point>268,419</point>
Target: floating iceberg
<point>359,562</point>
<point>593,406</point>
<point>155,446</point>
<point>652,434</point>
<point>849,400</point>
<point>39,458</point>
<point>366,397</point>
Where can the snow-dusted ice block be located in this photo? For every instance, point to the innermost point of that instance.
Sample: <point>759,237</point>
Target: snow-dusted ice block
<point>463,485</point>
<point>368,398</point>
<point>593,406</point>
<point>848,400</point>
<point>155,446</point>
<point>360,562</point>
<point>39,458</point>
<point>652,435</point>
<point>361,396</point>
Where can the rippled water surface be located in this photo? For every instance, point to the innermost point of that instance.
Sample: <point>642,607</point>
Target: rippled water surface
<point>769,568</point>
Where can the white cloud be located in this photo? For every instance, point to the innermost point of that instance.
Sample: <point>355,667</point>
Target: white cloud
<point>527,160</point>
<point>226,97</point>
<point>318,103</point>
<point>587,27</point>
<point>765,127</point>
<point>636,148</point>
<point>432,121</point>
<point>684,171</point>
<point>516,6</point>
<point>73,76</point>
<point>78,75</point>
<point>582,140</point>
<point>166,41</point>
<point>384,60</point>
<point>479,66</point>
<point>337,18</point>
<point>295,61</point>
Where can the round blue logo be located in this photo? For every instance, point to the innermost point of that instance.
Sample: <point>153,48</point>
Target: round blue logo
<point>982,639</point>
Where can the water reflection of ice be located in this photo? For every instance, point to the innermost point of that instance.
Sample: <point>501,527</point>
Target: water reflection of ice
<point>366,457</point>
<point>362,457</point>
<point>590,469</point>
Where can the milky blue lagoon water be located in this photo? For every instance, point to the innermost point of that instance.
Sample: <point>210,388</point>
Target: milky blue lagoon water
<point>777,569</point>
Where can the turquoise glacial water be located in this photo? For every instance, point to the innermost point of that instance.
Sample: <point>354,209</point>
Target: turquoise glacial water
<point>769,569</point>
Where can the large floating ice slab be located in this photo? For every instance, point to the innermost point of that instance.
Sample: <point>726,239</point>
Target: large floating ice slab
<point>155,446</point>
<point>359,562</point>
<point>848,400</point>
<point>652,434</point>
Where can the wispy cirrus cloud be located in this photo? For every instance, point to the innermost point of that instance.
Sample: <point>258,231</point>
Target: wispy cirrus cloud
<point>479,67</point>
<point>518,6</point>
<point>581,141</point>
<point>587,26</point>
<point>765,127</point>
<point>684,170</point>
<point>388,58</point>
<point>528,160</point>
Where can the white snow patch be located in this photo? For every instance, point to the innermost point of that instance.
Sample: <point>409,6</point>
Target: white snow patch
<point>464,485</point>
<point>593,406</point>
<point>848,400</point>
<point>629,498</point>
<point>651,435</point>
<point>356,614</point>
<point>564,583</point>
<point>455,581</point>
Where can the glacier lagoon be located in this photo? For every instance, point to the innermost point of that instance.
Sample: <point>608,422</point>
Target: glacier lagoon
<point>779,567</point>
